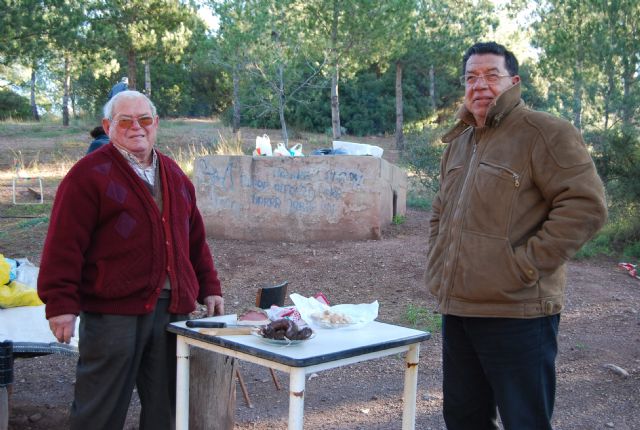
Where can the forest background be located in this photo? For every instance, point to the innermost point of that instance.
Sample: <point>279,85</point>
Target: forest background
<point>334,67</point>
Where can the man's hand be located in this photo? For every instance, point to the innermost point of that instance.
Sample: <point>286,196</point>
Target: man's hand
<point>63,327</point>
<point>215,305</point>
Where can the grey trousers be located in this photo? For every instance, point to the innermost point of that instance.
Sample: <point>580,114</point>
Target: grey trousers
<point>118,352</point>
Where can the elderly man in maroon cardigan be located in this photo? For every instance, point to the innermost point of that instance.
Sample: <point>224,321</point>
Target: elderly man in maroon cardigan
<point>126,250</point>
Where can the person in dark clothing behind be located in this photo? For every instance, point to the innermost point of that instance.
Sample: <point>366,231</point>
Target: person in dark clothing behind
<point>123,85</point>
<point>99,138</point>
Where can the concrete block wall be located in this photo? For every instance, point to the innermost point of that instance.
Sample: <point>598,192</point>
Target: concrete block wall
<point>296,199</point>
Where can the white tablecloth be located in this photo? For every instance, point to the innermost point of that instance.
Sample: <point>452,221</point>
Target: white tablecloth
<point>29,330</point>
<point>27,326</point>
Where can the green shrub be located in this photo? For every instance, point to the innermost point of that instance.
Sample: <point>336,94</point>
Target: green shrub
<point>600,245</point>
<point>421,154</point>
<point>419,199</point>
<point>632,251</point>
<point>13,106</point>
<point>398,219</point>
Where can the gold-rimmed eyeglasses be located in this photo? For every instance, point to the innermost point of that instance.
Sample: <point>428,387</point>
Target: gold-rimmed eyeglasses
<point>125,123</point>
<point>489,79</point>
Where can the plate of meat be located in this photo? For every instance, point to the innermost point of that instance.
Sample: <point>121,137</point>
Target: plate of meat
<point>283,332</point>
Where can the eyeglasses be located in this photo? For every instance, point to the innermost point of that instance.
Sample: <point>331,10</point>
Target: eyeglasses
<point>125,123</point>
<point>490,79</point>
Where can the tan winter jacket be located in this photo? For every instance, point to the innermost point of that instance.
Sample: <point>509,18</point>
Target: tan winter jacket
<point>518,198</point>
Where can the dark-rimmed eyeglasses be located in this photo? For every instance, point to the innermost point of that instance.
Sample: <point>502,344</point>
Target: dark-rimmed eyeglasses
<point>125,123</point>
<point>490,79</point>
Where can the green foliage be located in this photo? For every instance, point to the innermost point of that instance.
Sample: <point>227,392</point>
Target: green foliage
<point>27,211</point>
<point>632,250</point>
<point>32,222</point>
<point>422,154</point>
<point>13,106</point>
<point>598,246</point>
<point>423,319</point>
<point>419,199</point>
<point>616,153</point>
<point>398,219</point>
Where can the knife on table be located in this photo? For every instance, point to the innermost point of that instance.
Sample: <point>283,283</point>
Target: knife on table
<point>205,324</point>
<point>218,328</point>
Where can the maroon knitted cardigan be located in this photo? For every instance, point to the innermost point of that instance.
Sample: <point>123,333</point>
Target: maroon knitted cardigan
<point>109,248</point>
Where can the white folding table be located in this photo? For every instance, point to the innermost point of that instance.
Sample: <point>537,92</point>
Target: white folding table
<point>328,349</point>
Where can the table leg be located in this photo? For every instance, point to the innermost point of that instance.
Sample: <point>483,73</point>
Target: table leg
<point>410,387</point>
<point>296,399</point>
<point>182,384</point>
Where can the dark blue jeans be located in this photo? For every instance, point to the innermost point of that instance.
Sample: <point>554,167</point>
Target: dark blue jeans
<point>499,364</point>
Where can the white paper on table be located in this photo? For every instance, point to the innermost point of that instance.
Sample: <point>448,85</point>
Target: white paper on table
<point>360,314</point>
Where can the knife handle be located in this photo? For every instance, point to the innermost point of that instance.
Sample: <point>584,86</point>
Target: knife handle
<point>205,324</point>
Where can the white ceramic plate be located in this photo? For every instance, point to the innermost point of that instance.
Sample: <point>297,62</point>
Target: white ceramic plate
<point>281,342</point>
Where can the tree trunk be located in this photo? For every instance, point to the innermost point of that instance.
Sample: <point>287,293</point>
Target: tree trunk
<point>236,99</point>
<point>131,61</point>
<point>335,105</point>
<point>577,95</point>
<point>281,105</point>
<point>65,96</point>
<point>399,108</point>
<point>212,390</point>
<point>34,107</point>
<point>432,87</point>
<point>147,78</point>
<point>335,101</point>
<point>72,98</point>
<point>608,95</point>
<point>627,81</point>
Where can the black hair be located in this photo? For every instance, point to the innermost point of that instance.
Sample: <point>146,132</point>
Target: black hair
<point>510,60</point>
<point>98,131</point>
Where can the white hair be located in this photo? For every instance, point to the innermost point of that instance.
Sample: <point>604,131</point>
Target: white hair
<point>128,94</point>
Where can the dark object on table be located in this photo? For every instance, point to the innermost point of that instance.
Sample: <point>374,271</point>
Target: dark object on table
<point>285,329</point>
<point>273,295</point>
<point>205,324</point>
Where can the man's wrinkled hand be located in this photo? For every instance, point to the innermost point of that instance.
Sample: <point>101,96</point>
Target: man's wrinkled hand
<point>215,305</point>
<point>63,327</point>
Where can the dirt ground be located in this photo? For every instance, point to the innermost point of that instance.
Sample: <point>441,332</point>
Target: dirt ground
<point>599,328</point>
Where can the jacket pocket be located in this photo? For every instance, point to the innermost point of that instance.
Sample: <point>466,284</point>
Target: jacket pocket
<point>450,179</point>
<point>112,283</point>
<point>433,272</point>
<point>486,271</point>
<point>491,199</point>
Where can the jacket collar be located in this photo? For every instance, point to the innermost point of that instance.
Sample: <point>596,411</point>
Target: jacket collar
<point>501,107</point>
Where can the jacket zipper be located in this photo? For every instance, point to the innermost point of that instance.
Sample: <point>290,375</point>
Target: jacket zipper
<point>457,215</point>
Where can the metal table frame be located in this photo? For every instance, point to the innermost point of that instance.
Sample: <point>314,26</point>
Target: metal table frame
<point>342,348</point>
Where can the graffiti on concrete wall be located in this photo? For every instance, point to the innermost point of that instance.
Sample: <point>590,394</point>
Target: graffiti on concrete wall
<point>314,188</point>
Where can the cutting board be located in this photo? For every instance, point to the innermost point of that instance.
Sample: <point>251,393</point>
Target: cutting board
<point>227,331</point>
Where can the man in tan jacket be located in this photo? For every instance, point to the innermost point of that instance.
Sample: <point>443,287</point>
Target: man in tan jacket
<point>519,195</point>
